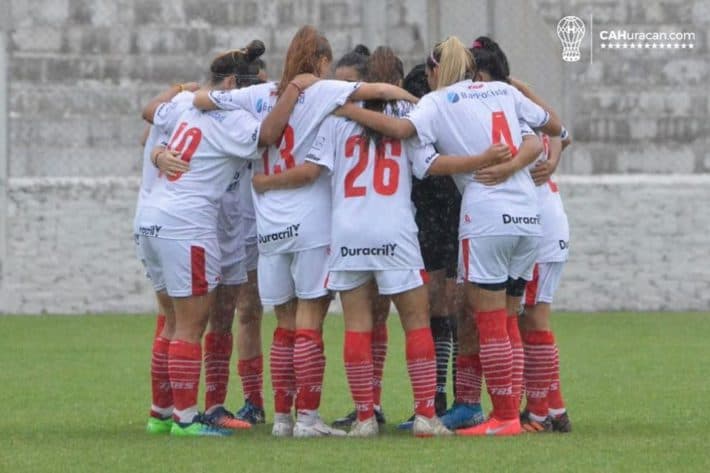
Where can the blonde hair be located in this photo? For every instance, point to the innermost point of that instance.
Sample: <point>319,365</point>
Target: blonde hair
<point>455,62</point>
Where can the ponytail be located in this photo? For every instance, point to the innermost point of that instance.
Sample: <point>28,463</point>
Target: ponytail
<point>454,60</point>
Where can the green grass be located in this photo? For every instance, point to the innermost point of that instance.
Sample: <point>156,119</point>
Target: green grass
<point>75,394</point>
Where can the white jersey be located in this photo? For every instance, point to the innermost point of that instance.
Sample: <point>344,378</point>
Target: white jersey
<point>186,206</point>
<point>373,225</point>
<point>157,135</point>
<point>246,209</point>
<point>465,119</point>
<point>554,245</point>
<point>293,219</point>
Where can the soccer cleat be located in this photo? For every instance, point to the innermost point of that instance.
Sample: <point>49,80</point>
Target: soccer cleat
<point>534,426</point>
<point>313,426</point>
<point>198,428</point>
<point>348,420</point>
<point>407,424</point>
<point>221,417</point>
<point>159,426</point>
<point>366,428</point>
<point>462,415</point>
<point>561,423</point>
<point>250,413</point>
<point>283,425</point>
<point>493,427</point>
<point>429,427</point>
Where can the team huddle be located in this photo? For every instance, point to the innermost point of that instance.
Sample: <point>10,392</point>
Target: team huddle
<point>429,190</point>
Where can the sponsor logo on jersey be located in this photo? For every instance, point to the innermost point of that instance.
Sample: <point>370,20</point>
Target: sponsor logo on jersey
<point>151,231</point>
<point>476,85</point>
<point>165,108</point>
<point>467,218</point>
<point>255,134</point>
<point>221,97</point>
<point>452,97</point>
<point>489,94</point>
<point>263,106</point>
<point>235,182</point>
<point>564,245</point>
<point>524,220</point>
<point>388,249</point>
<point>290,232</point>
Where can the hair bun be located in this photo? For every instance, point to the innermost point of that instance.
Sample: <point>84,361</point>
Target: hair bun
<point>255,49</point>
<point>362,49</point>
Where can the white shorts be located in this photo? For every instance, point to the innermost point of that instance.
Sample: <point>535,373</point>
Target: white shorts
<point>389,281</point>
<point>182,267</point>
<point>252,260</point>
<point>234,274</point>
<point>544,284</point>
<point>494,259</point>
<point>299,274</point>
<point>139,253</point>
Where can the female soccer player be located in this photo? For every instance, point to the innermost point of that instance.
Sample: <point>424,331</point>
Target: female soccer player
<point>293,228</point>
<point>499,225</point>
<point>179,223</point>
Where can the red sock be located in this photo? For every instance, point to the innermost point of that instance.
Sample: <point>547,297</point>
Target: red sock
<point>184,364</point>
<point>421,365</point>
<point>159,325</point>
<point>497,362</point>
<point>357,354</point>
<point>309,366</point>
<point>539,358</point>
<point>554,396</point>
<point>160,379</point>
<point>516,345</point>
<point>283,378</point>
<point>217,353</point>
<point>252,374</point>
<point>468,379</point>
<point>379,353</point>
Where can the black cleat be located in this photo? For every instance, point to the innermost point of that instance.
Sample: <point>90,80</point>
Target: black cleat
<point>561,423</point>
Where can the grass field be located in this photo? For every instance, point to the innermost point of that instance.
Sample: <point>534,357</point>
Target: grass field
<point>75,393</point>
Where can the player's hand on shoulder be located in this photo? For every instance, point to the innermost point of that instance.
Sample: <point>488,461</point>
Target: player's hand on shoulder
<point>344,110</point>
<point>305,80</point>
<point>169,163</point>
<point>260,181</point>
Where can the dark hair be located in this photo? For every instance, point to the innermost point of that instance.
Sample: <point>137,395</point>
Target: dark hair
<point>260,64</point>
<point>238,62</point>
<point>491,58</point>
<point>383,66</point>
<point>357,59</point>
<point>415,82</point>
<point>307,47</point>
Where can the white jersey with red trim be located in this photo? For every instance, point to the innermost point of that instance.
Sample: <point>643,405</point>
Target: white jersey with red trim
<point>373,225</point>
<point>554,245</point>
<point>186,206</point>
<point>246,208</point>
<point>293,219</point>
<point>465,119</point>
<point>157,135</point>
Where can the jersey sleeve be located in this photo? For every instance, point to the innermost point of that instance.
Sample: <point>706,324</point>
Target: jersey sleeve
<point>528,111</point>
<point>333,93</point>
<point>168,113</point>
<point>238,133</point>
<point>425,118</point>
<point>525,129</point>
<point>422,156</point>
<point>322,150</point>
<point>231,99</point>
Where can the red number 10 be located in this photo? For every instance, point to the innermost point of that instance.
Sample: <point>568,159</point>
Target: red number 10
<point>194,135</point>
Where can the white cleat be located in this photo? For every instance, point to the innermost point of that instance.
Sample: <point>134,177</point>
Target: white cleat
<point>283,425</point>
<point>429,427</point>
<point>366,428</point>
<point>313,426</point>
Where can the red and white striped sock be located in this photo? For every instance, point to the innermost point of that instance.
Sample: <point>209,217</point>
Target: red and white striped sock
<point>162,405</point>
<point>251,372</point>
<point>309,367</point>
<point>539,359</point>
<point>497,362</point>
<point>421,365</point>
<point>184,365</point>
<point>516,345</point>
<point>357,354</point>
<point>554,397</point>
<point>468,379</point>
<point>217,353</point>
<point>283,378</point>
<point>379,353</point>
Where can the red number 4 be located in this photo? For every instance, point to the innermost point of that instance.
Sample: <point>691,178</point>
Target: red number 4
<point>386,175</point>
<point>500,129</point>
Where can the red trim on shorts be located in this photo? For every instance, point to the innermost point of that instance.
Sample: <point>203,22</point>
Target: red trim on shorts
<point>325,283</point>
<point>197,267</point>
<point>465,251</point>
<point>424,275</point>
<point>531,288</point>
<point>553,186</point>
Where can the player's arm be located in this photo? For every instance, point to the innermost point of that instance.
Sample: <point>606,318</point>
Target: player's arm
<point>166,96</point>
<point>273,125</point>
<point>299,176</point>
<point>144,137</point>
<point>543,170</point>
<point>445,165</point>
<point>381,91</point>
<point>553,127</point>
<point>168,162</point>
<point>399,128</point>
<point>528,152</point>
